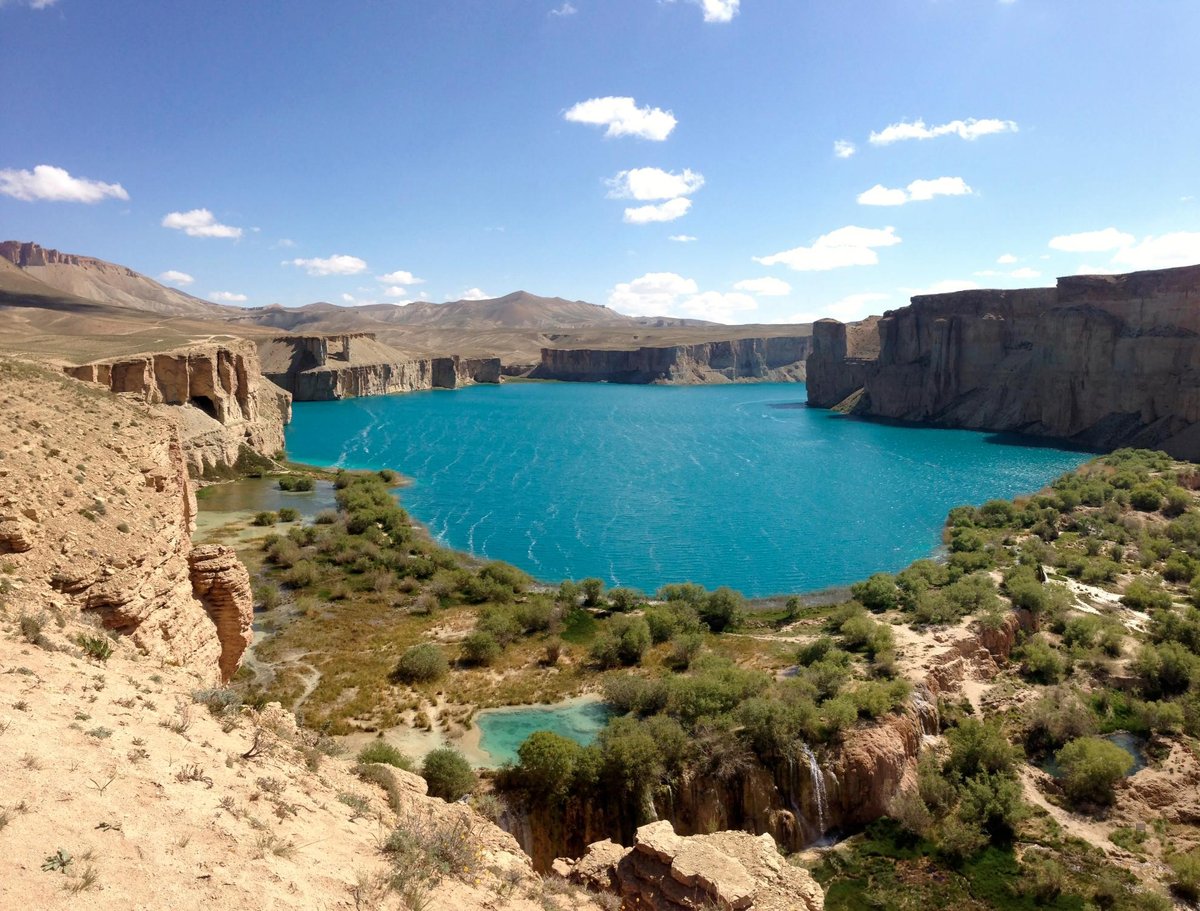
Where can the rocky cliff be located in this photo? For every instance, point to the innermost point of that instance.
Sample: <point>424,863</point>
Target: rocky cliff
<point>765,359</point>
<point>96,514</point>
<point>216,392</point>
<point>839,787</point>
<point>323,367</point>
<point>1099,360</point>
<point>733,871</point>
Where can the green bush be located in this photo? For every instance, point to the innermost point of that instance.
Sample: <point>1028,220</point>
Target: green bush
<point>977,747</point>
<point>1185,879</point>
<point>1041,662</point>
<point>264,519</point>
<point>481,648</point>
<point>448,774</point>
<point>1142,596</point>
<point>624,641</point>
<point>1146,498</point>
<point>379,751</point>
<point>625,599</point>
<point>296,482</point>
<point>723,609</point>
<point>422,663</point>
<point>546,764</point>
<point>287,514</point>
<point>1091,768</point>
<point>877,593</point>
<point>98,648</point>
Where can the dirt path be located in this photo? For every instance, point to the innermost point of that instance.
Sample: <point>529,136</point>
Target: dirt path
<point>1094,833</point>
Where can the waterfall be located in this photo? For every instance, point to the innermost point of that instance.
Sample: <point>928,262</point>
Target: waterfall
<point>818,784</point>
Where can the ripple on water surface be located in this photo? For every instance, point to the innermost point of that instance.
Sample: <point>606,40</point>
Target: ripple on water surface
<point>643,485</point>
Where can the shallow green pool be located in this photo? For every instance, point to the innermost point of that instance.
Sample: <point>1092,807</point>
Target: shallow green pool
<point>503,730</point>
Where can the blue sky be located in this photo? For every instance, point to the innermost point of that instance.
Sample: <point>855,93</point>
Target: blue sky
<point>376,150</point>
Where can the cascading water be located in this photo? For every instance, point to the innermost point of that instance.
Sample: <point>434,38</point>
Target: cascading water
<point>818,784</point>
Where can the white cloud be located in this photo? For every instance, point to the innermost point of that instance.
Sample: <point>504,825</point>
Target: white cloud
<point>567,9</point>
<point>764,287</point>
<point>351,301</point>
<point>1181,248</point>
<point>848,246</point>
<point>32,4</point>
<point>1006,259</point>
<point>228,297</point>
<point>666,211</point>
<point>654,294</point>
<point>653,183</point>
<point>338,264</point>
<point>400,277</point>
<point>622,117</point>
<point>879,195</point>
<point>670,294</point>
<point>475,294</point>
<point>176,278</point>
<point>683,238</point>
<point>199,223</point>
<point>1025,272</point>
<point>1091,241</point>
<point>718,10</point>
<point>945,286</point>
<point>969,129</point>
<point>395,291</point>
<point>51,184</point>
<point>847,309</point>
<point>1096,270</point>
<point>917,191</point>
<point>285,243</point>
<point>844,148</point>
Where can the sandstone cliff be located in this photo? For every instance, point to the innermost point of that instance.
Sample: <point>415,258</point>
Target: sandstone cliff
<point>765,359</point>
<point>216,392</point>
<point>733,871</point>
<point>96,514</point>
<point>319,367</point>
<point>1102,361</point>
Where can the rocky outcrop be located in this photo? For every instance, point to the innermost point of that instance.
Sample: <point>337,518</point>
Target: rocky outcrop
<point>216,392</point>
<point>765,359</point>
<point>97,511</point>
<point>1099,360</point>
<point>839,787</point>
<point>733,871</point>
<point>837,367</point>
<point>324,367</point>
<point>221,583</point>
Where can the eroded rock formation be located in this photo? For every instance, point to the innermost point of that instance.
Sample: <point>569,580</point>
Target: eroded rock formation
<point>97,510</point>
<point>765,359</point>
<point>734,871</point>
<point>324,367</point>
<point>1100,360</point>
<point>796,800</point>
<point>217,393</point>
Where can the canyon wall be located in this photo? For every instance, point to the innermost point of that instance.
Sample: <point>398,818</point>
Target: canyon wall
<point>838,787</point>
<point>765,359</point>
<point>96,514</point>
<point>320,368</point>
<point>216,392</point>
<point>1102,361</point>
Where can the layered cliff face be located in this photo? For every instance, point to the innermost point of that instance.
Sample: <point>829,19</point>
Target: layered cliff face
<point>765,359</point>
<point>796,800</point>
<point>1103,361</point>
<point>320,368</point>
<point>216,393</point>
<point>96,513</point>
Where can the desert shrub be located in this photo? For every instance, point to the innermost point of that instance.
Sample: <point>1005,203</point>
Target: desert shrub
<point>287,514</point>
<point>1145,498</point>
<point>301,575</point>
<point>683,651</point>
<point>1185,875</point>
<point>1091,768</point>
<point>1143,596</point>
<point>295,482</point>
<point>264,519</point>
<point>1041,662</point>
<point>626,693</point>
<point>500,623</point>
<point>383,753</point>
<point>546,764</point>
<point>977,747</point>
<point>625,599</point>
<point>99,648</point>
<point>480,648</point>
<point>877,593</point>
<point>1059,715</point>
<point>326,517</point>
<point>448,774</point>
<point>592,590</point>
<point>722,609</point>
<point>1166,669</point>
<point>623,641</point>
<point>422,663</point>
<point>535,615</point>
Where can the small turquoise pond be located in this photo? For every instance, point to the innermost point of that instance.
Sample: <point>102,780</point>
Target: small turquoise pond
<point>1130,743</point>
<point>502,731</point>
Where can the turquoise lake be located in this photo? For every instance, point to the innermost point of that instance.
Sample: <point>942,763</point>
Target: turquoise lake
<point>737,485</point>
<point>502,731</point>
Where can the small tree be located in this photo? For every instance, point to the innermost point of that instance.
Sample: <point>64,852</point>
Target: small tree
<point>1091,768</point>
<point>480,648</point>
<point>546,764</point>
<point>448,774</point>
<point>593,591</point>
<point>421,664</point>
